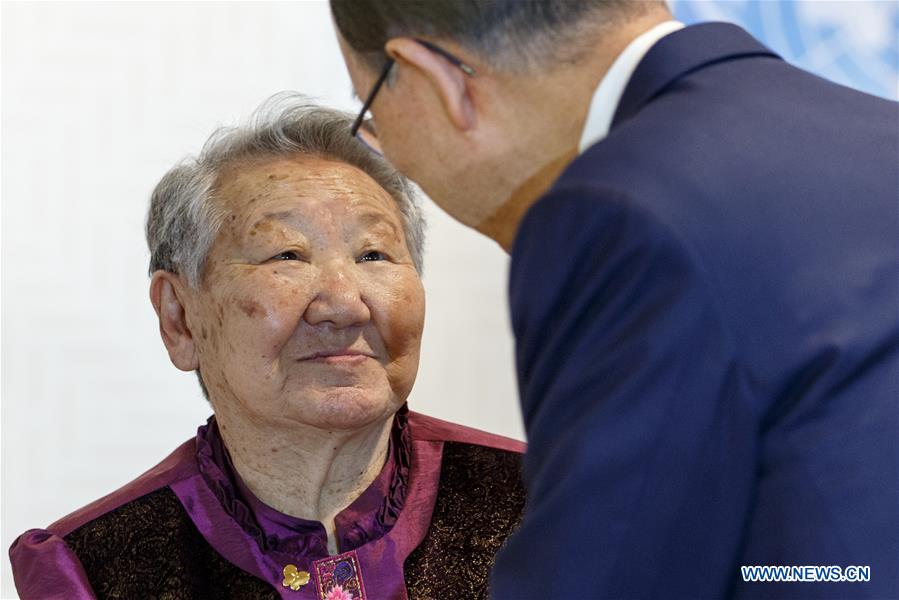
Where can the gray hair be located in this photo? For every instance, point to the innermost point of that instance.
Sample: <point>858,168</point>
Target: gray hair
<point>510,35</point>
<point>184,219</point>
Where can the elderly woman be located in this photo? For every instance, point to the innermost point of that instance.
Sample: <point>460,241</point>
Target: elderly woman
<point>286,264</point>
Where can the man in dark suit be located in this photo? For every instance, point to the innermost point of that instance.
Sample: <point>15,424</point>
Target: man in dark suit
<point>704,286</point>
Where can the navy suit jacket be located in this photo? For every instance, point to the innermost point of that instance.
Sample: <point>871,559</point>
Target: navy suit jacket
<point>707,339</point>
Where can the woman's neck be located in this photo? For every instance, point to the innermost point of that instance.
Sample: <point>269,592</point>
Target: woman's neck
<point>302,471</point>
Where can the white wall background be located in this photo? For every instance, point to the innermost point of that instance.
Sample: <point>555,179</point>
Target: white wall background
<point>98,101</point>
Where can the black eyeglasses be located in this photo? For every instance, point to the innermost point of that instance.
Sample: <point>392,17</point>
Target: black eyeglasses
<point>367,134</point>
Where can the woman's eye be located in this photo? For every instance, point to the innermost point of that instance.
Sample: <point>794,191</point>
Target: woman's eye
<point>372,256</point>
<point>289,255</point>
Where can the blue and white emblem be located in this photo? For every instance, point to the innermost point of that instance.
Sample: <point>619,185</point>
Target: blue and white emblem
<point>850,42</point>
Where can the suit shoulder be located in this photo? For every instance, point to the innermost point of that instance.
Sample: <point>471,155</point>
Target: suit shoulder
<point>582,217</point>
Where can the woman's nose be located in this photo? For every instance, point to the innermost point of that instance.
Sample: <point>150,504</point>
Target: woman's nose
<point>338,301</point>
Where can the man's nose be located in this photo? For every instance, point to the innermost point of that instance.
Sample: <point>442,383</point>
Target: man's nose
<point>338,299</point>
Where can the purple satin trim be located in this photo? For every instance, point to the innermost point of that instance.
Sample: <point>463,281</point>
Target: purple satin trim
<point>44,568</point>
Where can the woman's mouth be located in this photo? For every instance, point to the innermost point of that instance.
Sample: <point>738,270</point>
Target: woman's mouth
<point>338,357</point>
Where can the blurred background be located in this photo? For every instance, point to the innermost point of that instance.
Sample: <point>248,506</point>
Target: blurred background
<point>100,99</point>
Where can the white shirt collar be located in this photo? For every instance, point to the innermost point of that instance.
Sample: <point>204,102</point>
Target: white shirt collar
<point>611,87</point>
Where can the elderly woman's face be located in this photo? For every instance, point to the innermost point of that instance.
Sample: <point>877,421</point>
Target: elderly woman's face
<point>311,308</point>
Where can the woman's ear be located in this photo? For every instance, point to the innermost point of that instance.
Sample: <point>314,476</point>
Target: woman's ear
<point>447,80</point>
<point>167,292</point>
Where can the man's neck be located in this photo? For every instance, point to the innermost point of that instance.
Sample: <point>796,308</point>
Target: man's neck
<point>503,224</point>
<point>550,119</point>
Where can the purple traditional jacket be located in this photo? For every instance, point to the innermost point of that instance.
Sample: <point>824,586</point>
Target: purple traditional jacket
<point>427,526</point>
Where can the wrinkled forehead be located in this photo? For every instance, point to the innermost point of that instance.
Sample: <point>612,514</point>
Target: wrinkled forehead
<point>291,187</point>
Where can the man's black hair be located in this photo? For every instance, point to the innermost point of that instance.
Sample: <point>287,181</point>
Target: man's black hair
<point>505,33</point>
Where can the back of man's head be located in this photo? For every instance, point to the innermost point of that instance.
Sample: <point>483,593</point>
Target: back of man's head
<point>510,35</point>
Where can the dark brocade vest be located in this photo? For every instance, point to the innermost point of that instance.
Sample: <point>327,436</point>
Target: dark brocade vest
<point>149,548</point>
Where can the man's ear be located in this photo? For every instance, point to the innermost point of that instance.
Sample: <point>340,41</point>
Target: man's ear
<point>167,292</point>
<point>448,81</point>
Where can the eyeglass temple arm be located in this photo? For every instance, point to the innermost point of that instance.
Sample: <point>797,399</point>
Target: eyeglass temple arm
<point>437,49</point>
<point>371,96</point>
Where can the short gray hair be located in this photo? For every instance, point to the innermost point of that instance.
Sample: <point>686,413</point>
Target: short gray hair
<point>184,219</point>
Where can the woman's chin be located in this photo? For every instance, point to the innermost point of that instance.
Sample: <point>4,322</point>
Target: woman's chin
<point>347,409</point>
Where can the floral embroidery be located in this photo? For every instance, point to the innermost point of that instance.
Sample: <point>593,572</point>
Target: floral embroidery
<point>339,577</point>
<point>338,593</point>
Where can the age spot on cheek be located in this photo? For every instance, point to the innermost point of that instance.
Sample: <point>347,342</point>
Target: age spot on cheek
<point>250,308</point>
